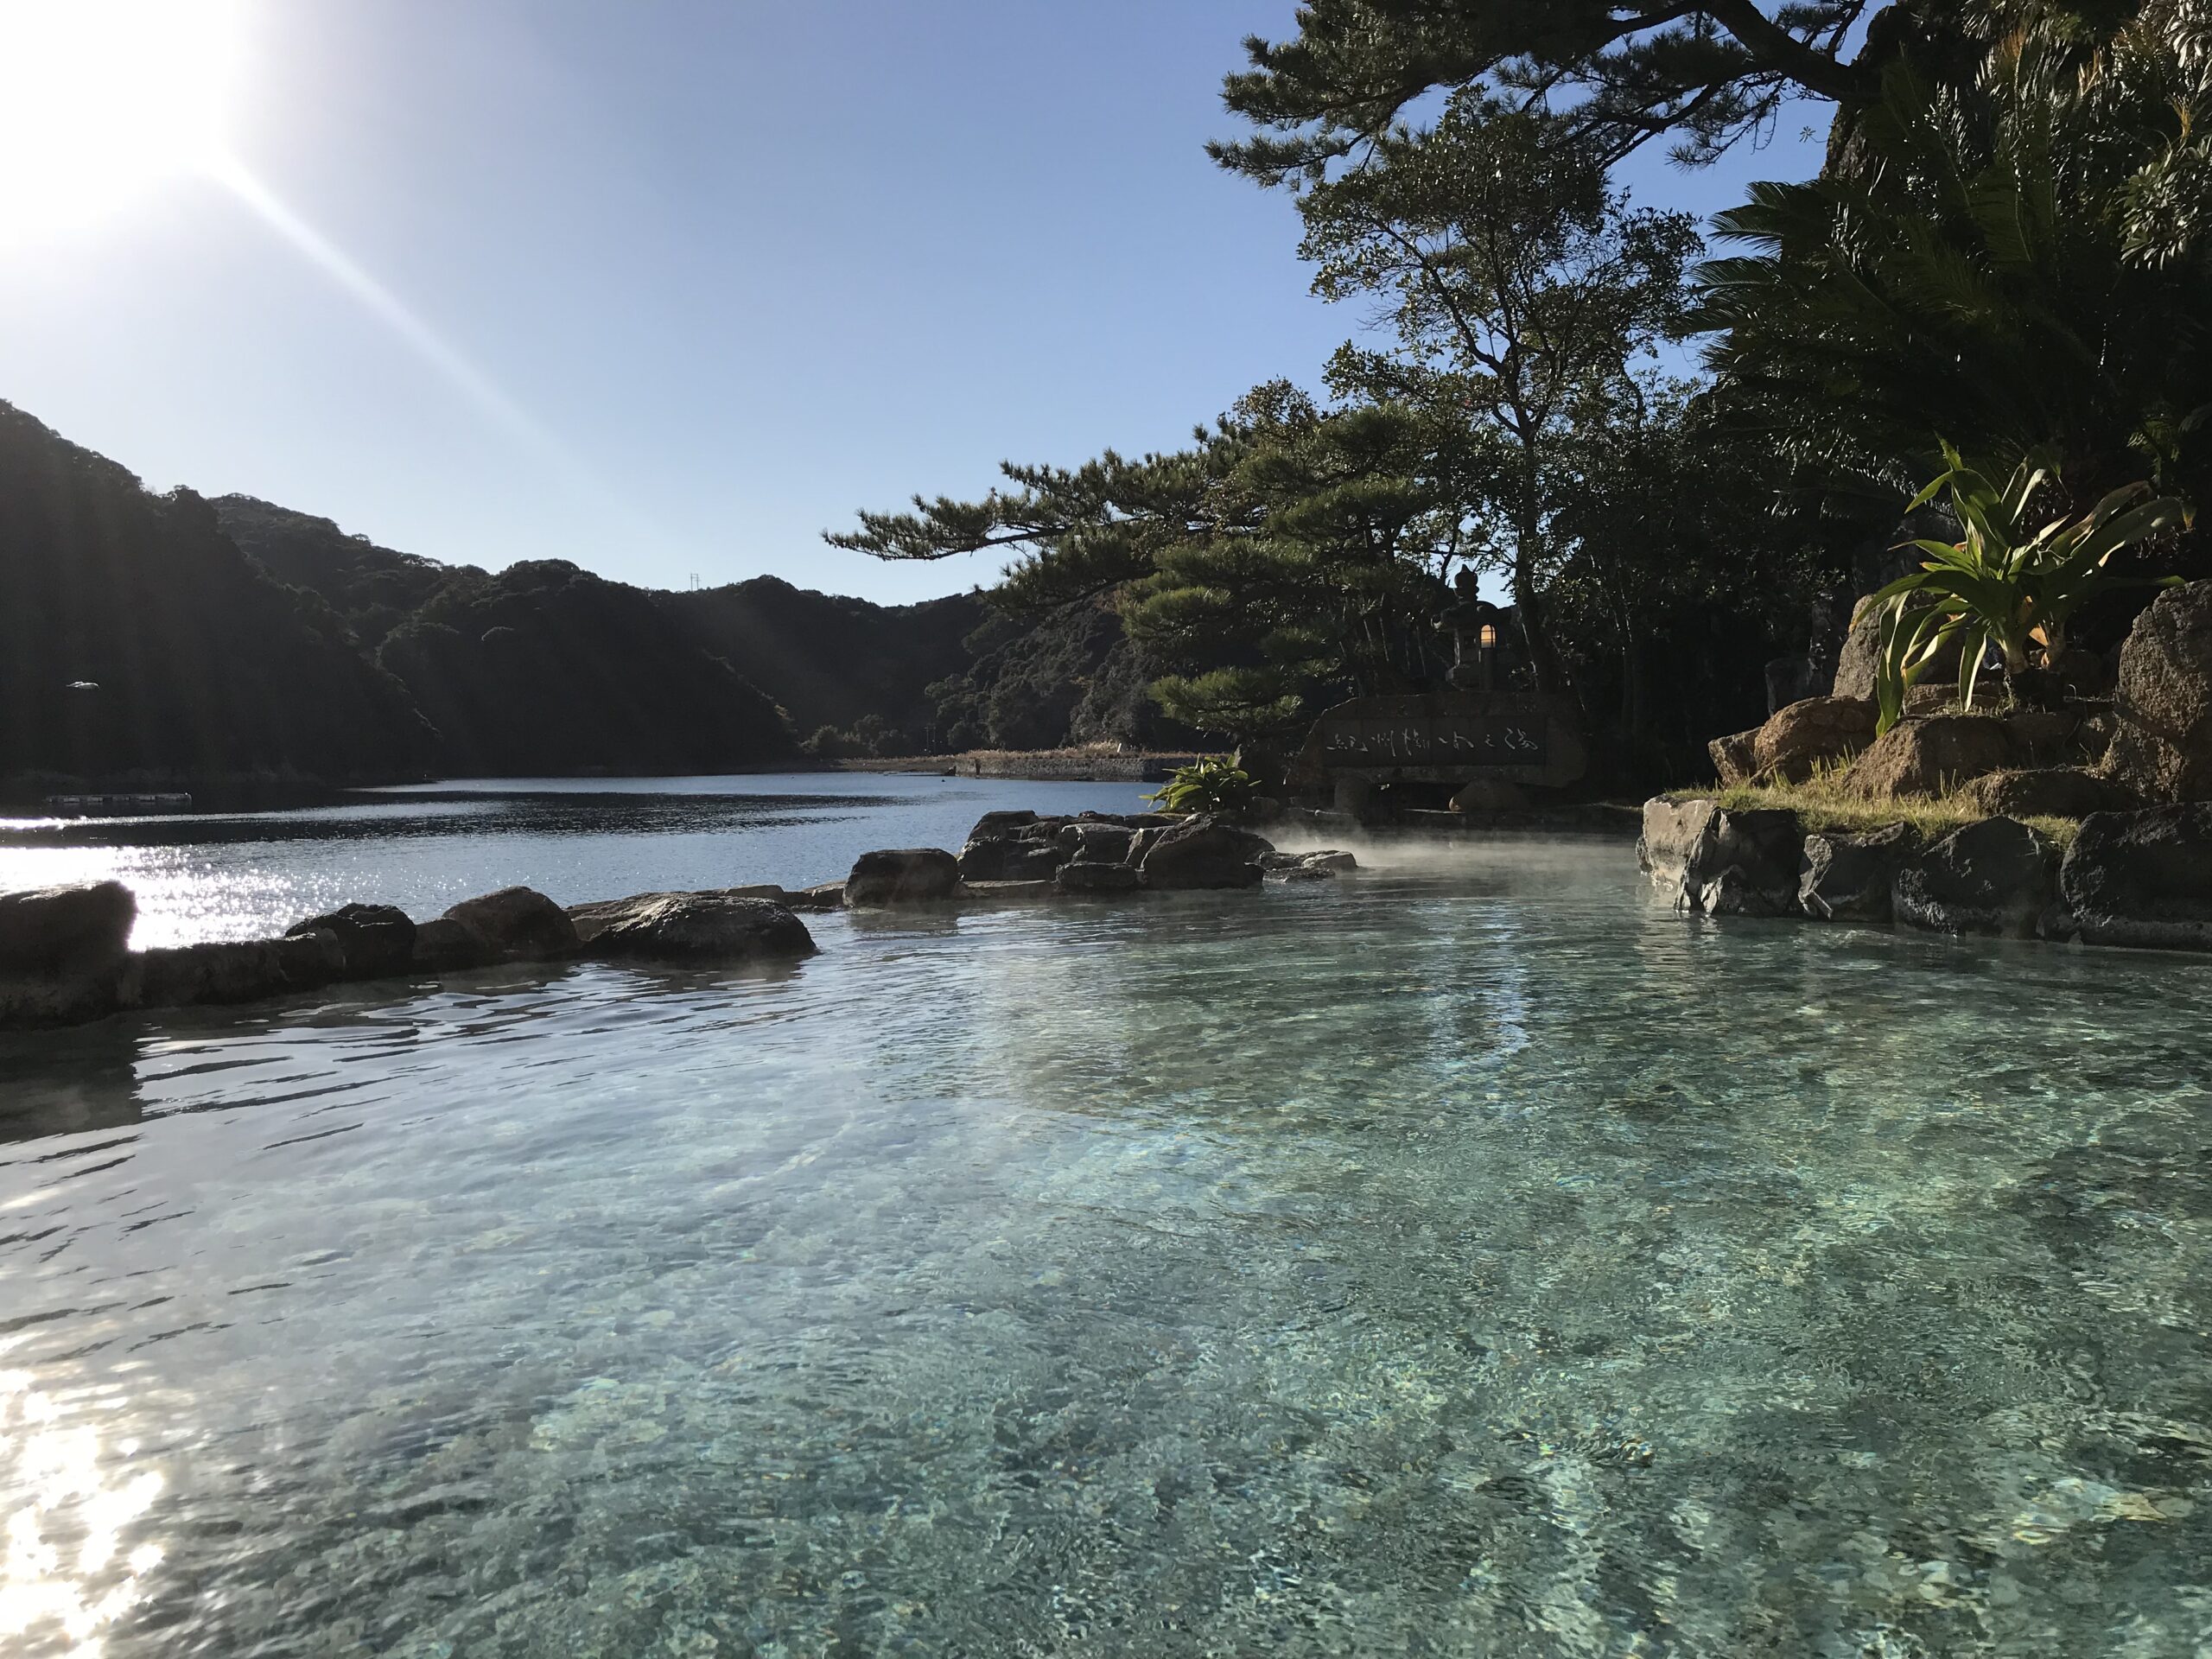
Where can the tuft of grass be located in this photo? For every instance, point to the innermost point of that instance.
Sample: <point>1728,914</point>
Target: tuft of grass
<point>1824,805</point>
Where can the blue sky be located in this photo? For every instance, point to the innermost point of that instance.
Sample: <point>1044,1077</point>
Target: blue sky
<point>668,287</point>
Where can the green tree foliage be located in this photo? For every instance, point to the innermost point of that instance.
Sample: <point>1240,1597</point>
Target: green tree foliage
<point>1318,569</point>
<point>1290,551</point>
<point>1683,576</point>
<point>1520,292</point>
<point>1617,75</point>
<point>2017,263</point>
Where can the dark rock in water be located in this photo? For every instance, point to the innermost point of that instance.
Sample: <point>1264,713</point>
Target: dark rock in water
<point>2161,746</point>
<point>1097,843</point>
<point>444,945</point>
<point>1038,861</point>
<point>2142,879</point>
<point>910,875</point>
<point>1306,867</point>
<point>1992,877</point>
<point>378,940</point>
<point>1097,878</point>
<point>1850,878</point>
<point>523,925</point>
<point>701,927</point>
<point>45,1000</point>
<point>63,954</point>
<point>1011,859</point>
<point>244,970</point>
<point>592,919</point>
<point>826,895</point>
<point>1204,852</point>
<point>66,931</point>
<point>1002,826</point>
<point>2045,792</point>
<point>1687,846</point>
<point>1006,892</point>
<point>1736,891</point>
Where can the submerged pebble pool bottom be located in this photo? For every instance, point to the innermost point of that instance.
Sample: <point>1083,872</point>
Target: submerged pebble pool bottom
<point>1478,1260</point>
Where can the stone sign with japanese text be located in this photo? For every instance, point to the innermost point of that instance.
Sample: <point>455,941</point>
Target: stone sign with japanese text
<point>1445,737</point>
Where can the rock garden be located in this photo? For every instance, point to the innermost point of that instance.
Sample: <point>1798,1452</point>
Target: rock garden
<point>2083,814</point>
<point>66,958</point>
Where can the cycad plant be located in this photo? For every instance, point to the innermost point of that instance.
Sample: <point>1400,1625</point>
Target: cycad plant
<point>2002,585</point>
<point>1212,783</point>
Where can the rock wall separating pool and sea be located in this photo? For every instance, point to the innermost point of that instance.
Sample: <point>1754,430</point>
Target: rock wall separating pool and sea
<point>66,958</point>
<point>2140,879</point>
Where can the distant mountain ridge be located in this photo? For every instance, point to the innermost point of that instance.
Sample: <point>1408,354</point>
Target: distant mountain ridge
<point>136,641</point>
<point>238,638</point>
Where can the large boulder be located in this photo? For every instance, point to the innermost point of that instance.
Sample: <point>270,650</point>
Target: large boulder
<point>62,952</point>
<point>521,923</point>
<point>1002,826</point>
<point>1849,878</point>
<point>2046,737</point>
<point>1805,734</point>
<point>69,931</point>
<point>443,945</point>
<point>1931,757</point>
<point>1856,662</point>
<point>1012,858</point>
<point>907,875</point>
<point>1996,876</point>
<point>42,1001</point>
<point>699,927</point>
<point>1688,846</point>
<point>1079,877</point>
<point>825,895</point>
<point>2045,792</point>
<point>1097,842</point>
<point>1735,757</point>
<point>377,941</point>
<point>1203,851</point>
<point>2162,744</point>
<point>2142,878</point>
<point>243,971</point>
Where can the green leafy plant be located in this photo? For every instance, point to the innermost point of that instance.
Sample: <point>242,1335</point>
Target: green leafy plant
<point>1212,783</point>
<point>2002,585</point>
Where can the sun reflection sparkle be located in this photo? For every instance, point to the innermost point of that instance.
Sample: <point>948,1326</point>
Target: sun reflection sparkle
<point>60,1544</point>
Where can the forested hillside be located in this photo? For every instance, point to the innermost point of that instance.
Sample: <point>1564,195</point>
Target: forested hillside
<point>149,639</point>
<point>138,640</point>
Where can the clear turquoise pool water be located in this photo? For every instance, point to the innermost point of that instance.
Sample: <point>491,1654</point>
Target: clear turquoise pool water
<point>1472,1259</point>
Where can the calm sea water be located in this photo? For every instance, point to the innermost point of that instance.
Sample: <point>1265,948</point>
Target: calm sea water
<point>1470,1258</point>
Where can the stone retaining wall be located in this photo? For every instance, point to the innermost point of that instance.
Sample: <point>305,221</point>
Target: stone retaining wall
<point>2137,878</point>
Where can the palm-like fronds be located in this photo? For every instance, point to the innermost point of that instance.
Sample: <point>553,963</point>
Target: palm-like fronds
<point>2018,263</point>
<point>2000,586</point>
